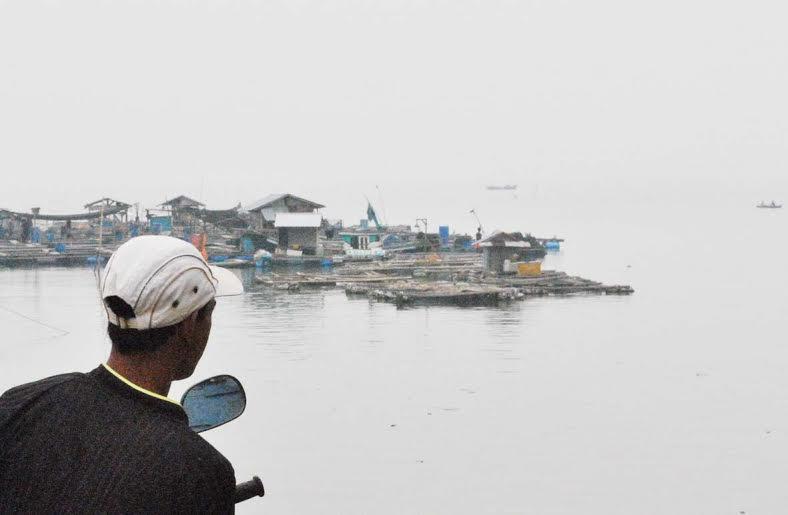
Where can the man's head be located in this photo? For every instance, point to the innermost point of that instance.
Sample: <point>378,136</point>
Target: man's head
<point>159,295</point>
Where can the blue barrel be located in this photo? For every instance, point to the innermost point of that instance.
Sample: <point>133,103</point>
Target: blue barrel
<point>160,223</point>
<point>443,232</point>
<point>60,247</point>
<point>552,245</point>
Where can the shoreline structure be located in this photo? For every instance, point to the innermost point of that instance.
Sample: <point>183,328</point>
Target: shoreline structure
<point>287,238</point>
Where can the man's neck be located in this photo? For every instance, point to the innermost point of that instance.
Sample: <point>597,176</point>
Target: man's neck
<point>146,372</point>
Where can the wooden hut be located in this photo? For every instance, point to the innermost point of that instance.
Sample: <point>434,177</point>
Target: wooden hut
<point>182,209</point>
<point>298,231</point>
<point>502,246</point>
<point>263,212</point>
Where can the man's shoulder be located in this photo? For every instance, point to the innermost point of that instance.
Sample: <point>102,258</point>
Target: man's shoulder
<point>30,391</point>
<point>193,450</point>
<point>17,399</point>
<point>188,464</point>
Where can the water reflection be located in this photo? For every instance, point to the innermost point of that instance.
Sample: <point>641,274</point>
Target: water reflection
<point>295,325</point>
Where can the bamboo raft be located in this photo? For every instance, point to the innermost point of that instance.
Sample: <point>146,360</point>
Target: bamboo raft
<point>26,254</point>
<point>435,294</point>
<point>551,282</point>
<point>296,282</point>
<point>462,283</point>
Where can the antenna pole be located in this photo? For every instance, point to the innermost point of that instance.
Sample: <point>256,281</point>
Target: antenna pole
<point>473,212</point>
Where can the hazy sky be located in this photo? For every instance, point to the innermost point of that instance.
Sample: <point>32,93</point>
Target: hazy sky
<point>229,101</point>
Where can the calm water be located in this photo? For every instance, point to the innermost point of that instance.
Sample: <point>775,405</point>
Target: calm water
<point>673,400</point>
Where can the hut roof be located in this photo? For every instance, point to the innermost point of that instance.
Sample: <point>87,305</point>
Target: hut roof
<point>182,199</point>
<point>270,199</point>
<point>229,218</point>
<point>91,215</point>
<point>504,239</point>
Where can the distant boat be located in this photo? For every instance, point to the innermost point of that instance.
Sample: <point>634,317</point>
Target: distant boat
<point>772,205</point>
<point>234,263</point>
<point>506,187</point>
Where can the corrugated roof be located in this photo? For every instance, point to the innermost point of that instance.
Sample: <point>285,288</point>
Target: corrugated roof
<point>503,239</point>
<point>257,204</point>
<point>273,197</point>
<point>298,220</point>
<point>181,197</point>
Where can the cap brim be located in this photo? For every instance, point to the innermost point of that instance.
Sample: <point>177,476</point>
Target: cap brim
<point>227,282</point>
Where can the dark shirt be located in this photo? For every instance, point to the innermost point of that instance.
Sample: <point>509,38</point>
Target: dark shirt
<point>88,443</point>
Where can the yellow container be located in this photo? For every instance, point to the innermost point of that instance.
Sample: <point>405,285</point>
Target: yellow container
<point>529,269</point>
<point>433,258</point>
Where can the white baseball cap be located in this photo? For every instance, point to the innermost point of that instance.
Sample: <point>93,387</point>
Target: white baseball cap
<point>163,280</point>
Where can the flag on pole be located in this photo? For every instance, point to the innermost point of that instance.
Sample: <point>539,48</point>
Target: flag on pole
<point>371,216</point>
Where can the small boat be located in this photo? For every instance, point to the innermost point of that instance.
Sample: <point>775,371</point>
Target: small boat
<point>505,187</point>
<point>772,205</point>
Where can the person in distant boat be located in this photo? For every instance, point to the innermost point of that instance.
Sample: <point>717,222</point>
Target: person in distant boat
<point>110,440</point>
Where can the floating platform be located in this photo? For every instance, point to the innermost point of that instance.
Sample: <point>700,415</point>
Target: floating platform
<point>450,281</point>
<point>295,283</point>
<point>438,295</point>
<point>14,254</point>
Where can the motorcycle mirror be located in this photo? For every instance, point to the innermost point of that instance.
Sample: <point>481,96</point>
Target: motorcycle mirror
<point>214,402</point>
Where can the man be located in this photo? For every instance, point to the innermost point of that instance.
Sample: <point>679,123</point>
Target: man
<point>110,440</point>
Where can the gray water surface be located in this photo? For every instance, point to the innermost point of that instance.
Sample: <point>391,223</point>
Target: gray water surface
<point>673,400</point>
